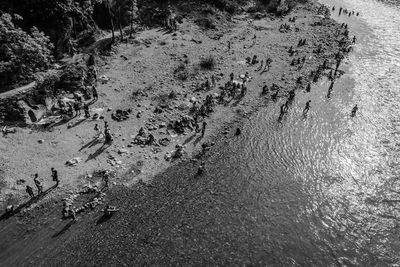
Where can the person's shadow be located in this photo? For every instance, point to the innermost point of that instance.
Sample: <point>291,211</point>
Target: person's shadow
<point>97,152</point>
<point>64,229</point>
<point>103,219</point>
<point>27,204</point>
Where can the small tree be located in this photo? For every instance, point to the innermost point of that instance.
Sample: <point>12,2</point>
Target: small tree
<point>133,15</point>
<point>109,4</point>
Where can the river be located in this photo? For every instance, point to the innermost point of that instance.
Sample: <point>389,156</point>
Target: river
<point>320,190</point>
<point>328,185</point>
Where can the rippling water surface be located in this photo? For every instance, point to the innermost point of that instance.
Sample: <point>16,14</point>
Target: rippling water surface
<point>332,180</point>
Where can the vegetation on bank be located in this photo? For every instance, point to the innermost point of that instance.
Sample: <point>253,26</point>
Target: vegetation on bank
<point>33,32</point>
<point>21,53</point>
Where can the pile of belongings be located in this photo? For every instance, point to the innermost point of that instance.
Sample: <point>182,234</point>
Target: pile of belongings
<point>144,138</point>
<point>121,115</point>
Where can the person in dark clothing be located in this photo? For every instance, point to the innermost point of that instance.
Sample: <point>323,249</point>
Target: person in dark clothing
<point>203,130</point>
<point>72,214</point>
<point>106,179</point>
<point>308,88</point>
<point>29,190</point>
<point>70,109</point>
<point>86,110</point>
<point>264,90</point>
<point>238,132</point>
<point>275,95</point>
<point>200,170</point>
<point>54,176</point>
<point>108,136</point>
<point>354,111</point>
<point>77,108</point>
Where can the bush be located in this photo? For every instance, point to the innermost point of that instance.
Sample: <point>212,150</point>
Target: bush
<point>208,63</point>
<point>281,8</point>
<point>226,5</point>
<point>206,22</point>
<point>181,72</point>
<point>21,53</point>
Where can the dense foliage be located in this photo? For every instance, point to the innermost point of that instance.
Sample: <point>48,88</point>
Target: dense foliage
<point>21,53</point>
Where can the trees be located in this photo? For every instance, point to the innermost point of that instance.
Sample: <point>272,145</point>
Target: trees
<point>119,13</point>
<point>21,53</point>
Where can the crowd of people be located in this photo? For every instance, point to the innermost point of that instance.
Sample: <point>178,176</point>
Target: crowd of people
<point>345,44</point>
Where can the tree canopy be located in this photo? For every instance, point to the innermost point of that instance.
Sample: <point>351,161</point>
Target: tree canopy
<point>21,53</point>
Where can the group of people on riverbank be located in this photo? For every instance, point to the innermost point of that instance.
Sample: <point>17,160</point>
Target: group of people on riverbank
<point>38,184</point>
<point>346,11</point>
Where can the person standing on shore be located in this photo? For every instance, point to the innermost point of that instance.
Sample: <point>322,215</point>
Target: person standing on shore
<point>354,110</point>
<point>108,137</point>
<point>203,130</point>
<point>284,108</point>
<point>29,190</point>
<point>200,170</point>
<point>97,130</point>
<point>38,184</point>
<point>308,88</point>
<point>72,214</point>
<point>95,93</point>
<point>54,176</point>
<point>86,110</point>
<point>77,108</point>
<point>106,179</point>
<point>306,108</point>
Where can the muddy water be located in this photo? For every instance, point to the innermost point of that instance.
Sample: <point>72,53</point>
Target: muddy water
<point>329,183</point>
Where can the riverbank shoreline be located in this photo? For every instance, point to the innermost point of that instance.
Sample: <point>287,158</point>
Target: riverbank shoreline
<point>166,185</point>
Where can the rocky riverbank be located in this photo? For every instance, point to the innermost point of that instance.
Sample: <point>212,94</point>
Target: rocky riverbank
<point>157,82</point>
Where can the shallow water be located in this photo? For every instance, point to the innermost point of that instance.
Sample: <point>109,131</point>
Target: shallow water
<point>329,181</point>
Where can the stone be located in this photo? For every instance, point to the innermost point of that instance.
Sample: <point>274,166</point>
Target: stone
<point>123,151</point>
<point>73,162</point>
